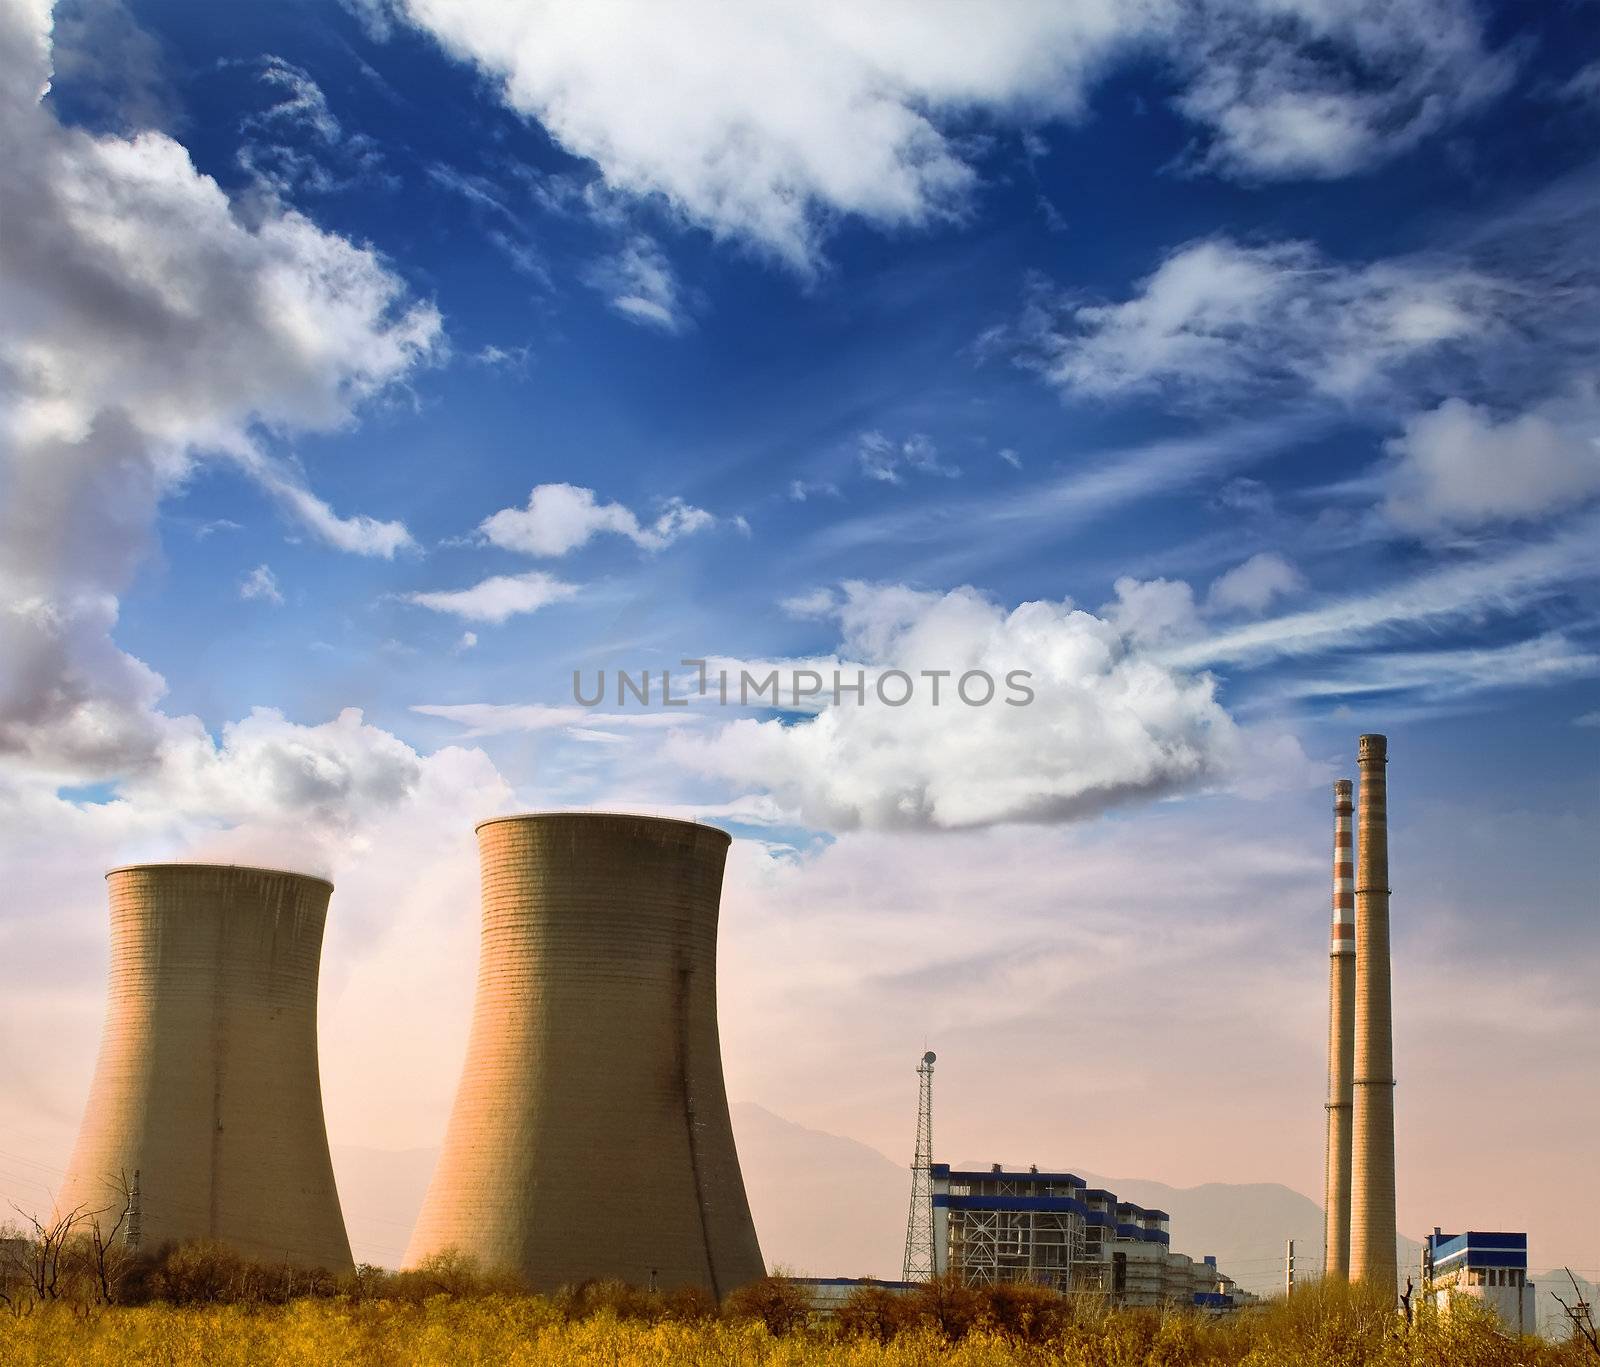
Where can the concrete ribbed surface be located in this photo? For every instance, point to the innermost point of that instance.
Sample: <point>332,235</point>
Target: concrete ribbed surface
<point>207,1082</point>
<point>1372,1196</point>
<point>1341,1044</point>
<point>590,1133</point>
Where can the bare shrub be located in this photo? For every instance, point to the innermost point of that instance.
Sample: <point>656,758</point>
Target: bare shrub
<point>949,1305</point>
<point>1024,1311</point>
<point>688,1305</point>
<point>778,1302</point>
<point>875,1312</point>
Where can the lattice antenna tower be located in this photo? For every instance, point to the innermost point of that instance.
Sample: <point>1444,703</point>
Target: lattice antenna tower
<point>919,1262</point>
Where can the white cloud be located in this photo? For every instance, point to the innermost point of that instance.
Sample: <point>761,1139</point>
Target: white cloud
<point>116,68</point>
<point>800,491</point>
<point>1153,610</point>
<point>1107,724</point>
<point>468,640</point>
<point>815,603</point>
<point>1255,585</point>
<point>765,123</point>
<point>641,285</point>
<point>1303,88</point>
<point>72,705</point>
<point>887,460</point>
<point>1460,466</point>
<point>1217,317</point>
<point>151,323</point>
<point>562,517</point>
<point>267,771</point>
<point>261,583</point>
<point>497,598</point>
<point>512,360</point>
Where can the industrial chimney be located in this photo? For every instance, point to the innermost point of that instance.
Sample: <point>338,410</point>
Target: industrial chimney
<point>590,1136</point>
<point>1341,1042</point>
<point>1372,1213</point>
<point>207,1085</point>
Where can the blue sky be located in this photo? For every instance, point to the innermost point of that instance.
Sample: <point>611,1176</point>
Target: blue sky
<point>1231,367</point>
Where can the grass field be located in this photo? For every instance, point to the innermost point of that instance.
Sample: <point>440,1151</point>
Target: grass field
<point>614,1327</point>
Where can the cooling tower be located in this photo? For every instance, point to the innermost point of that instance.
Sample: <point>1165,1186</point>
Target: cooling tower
<point>1341,1042</point>
<point>1372,1215</point>
<point>590,1135</point>
<point>207,1085</point>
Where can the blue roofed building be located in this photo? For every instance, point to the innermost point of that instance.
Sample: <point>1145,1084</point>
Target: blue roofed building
<point>1488,1266</point>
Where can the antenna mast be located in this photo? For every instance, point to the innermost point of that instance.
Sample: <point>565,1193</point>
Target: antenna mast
<point>919,1262</point>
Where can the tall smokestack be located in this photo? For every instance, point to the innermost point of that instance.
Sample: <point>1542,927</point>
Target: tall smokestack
<point>1372,1217</point>
<point>207,1083</point>
<point>1341,1042</point>
<point>590,1136</point>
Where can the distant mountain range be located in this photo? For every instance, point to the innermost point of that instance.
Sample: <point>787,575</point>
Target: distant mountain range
<point>825,1205</point>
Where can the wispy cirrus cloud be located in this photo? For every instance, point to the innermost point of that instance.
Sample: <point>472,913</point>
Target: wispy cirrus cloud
<point>976,528</point>
<point>889,461</point>
<point>1442,676</point>
<point>296,145</point>
<point>1504,582</point>
<point>500,719</point>
<point>1218,319</point>
<point>640,284</point>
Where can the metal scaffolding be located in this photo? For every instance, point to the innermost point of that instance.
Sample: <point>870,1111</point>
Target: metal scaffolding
<point>1040,1246</point>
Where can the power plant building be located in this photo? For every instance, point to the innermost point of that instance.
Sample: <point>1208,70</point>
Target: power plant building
<point>1051,1229</point>
<point>204,1119</point>
<point>590,1135</point>
<point>1482,1266</point>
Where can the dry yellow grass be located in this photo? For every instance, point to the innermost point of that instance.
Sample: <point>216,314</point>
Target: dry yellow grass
<point>1334,1330</point>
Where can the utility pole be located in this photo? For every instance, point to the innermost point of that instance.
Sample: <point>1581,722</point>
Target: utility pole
<point>1288,1269</point>
<point>920,1263</point>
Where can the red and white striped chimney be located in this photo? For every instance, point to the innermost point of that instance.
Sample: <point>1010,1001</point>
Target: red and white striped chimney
<point>1341,1041</point>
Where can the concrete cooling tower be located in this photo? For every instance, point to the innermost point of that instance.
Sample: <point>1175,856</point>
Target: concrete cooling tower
<point>207,1084</point>
<point>590,1136</point>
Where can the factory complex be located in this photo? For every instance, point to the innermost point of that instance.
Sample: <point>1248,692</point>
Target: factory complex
<point>1051,1228</point>
<point>590,1135</point>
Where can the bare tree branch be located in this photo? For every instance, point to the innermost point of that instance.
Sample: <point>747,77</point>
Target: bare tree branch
<point>1581,1314</point>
